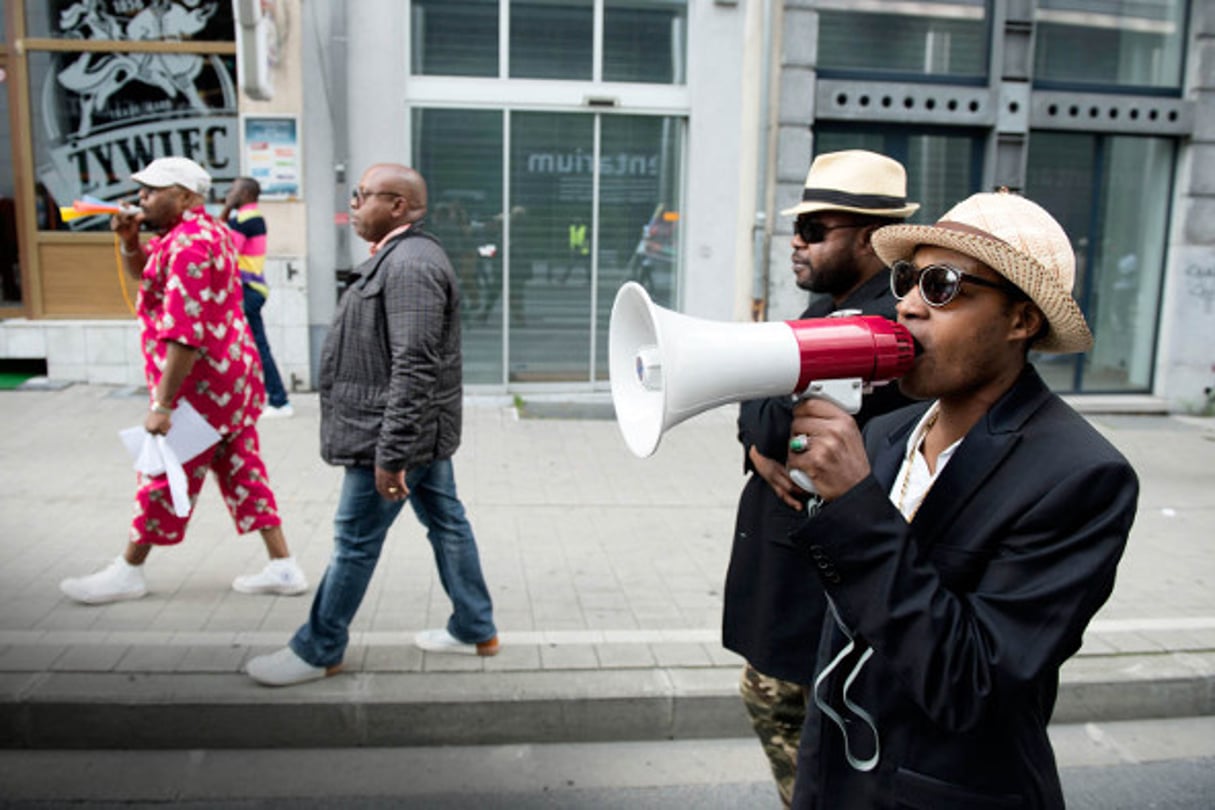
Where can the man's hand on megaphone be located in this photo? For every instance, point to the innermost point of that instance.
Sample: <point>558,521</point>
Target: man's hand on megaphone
<point>778,478</point>
<point>834,457</point>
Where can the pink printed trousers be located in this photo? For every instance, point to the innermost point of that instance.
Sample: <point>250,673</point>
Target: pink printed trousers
<point>237,463</point>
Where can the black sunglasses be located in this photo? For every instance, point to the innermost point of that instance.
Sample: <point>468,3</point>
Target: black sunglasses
<point>939,283</point>
<point>812,231</point>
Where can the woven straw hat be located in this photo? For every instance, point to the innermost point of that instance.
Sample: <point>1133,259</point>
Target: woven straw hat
<point>1020,241</point>
<point>858,181</point>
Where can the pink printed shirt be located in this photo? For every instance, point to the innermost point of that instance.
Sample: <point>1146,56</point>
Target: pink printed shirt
<point>191,294</point>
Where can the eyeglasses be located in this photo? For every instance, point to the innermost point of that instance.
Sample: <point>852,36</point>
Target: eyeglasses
<point>812,231</point>
<point>358,196</point>
<point>939,283</point>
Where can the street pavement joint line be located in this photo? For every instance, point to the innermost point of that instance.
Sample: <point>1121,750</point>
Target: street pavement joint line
<point>1140,625</point>
<point>370,638</point>
<point>1102,740</point>
<point>520,638</point>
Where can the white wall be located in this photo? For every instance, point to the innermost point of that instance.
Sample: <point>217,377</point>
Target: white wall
<point>377,125</point>
<point>713,192</point>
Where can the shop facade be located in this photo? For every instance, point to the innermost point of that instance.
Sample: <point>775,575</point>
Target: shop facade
<point>572,146</point>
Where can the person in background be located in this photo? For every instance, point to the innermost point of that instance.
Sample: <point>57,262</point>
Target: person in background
<point>964,542</point>
<point>391,394</point>
<point>197,349</point>
<point>248,226</point>
<point>774,605</point>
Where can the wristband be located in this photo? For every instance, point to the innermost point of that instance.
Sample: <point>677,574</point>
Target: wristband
<point>122,248</point>
<point>156,407</point>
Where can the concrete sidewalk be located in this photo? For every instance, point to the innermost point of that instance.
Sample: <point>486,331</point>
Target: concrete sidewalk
<point>606,573</point>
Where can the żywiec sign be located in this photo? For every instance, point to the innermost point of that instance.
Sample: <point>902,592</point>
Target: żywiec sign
<point>105,162</point>
<point>107,115</point>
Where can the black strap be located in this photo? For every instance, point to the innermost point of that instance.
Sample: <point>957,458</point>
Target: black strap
<point>836,197</point>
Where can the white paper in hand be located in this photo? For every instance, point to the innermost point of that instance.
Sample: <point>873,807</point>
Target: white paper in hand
<point>157,455</point>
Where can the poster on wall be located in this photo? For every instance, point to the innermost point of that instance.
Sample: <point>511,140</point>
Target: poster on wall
<point>271,154</point>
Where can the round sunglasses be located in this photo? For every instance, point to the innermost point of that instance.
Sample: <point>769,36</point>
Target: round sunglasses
<point>939,283</point>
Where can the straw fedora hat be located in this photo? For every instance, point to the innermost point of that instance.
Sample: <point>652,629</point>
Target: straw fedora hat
<point>1020,241</point>
<point>857,181</point>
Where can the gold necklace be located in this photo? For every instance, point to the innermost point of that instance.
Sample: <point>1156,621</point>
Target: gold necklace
<point>928,426</point>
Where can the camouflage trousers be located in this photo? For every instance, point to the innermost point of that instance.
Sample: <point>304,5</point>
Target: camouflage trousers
<point>778,710</point>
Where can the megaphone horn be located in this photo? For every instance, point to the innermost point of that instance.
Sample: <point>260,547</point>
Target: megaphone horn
<point>666,367</point>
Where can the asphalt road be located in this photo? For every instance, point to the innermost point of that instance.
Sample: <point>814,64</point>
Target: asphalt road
<point>1142,765</point>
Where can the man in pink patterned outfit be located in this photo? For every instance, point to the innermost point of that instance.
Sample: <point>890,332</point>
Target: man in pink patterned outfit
<point>197,347</point>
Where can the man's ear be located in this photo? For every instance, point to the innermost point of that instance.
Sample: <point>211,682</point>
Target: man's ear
<point>1028,322</point>
<point>864,237</point>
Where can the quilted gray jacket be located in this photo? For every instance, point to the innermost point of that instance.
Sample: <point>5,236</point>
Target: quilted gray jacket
<point>390,371</point>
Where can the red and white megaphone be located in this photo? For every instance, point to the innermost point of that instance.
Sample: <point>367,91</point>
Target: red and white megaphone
<point>666,367</point>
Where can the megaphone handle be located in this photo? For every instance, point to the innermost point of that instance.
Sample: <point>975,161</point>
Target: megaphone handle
<point>844,393</point>
<point>802,480</point>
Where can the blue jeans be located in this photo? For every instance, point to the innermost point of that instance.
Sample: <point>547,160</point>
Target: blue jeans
<point>254,301</point>
<point>360,526</point>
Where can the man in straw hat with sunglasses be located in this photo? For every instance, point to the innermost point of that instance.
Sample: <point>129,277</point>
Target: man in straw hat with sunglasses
<point>965,542</point>
<point>773,604</point>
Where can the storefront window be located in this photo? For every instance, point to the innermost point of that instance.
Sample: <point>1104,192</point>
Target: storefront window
<point>644,41</point>
<point>1110,43</point>
<point>941,169</point>
<point>10,269</point>
<point>897,38</point>
<point>455,37</point>
<point>552,41</point>
<point>1111,194</point>
<point>100,116</point>
<point>199,20</point>
<point>459,152</point>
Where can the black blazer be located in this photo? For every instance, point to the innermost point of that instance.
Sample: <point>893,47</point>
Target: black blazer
<point>970,610</point>
<point>773,604</point>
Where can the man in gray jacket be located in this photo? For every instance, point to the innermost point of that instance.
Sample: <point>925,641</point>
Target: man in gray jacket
<point>390,392</point>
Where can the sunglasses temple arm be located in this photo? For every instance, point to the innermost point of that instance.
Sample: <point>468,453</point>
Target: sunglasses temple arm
<point>844,393</point>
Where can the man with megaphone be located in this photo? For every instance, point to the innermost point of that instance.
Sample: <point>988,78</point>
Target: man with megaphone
<point>773,603</point>
<point>965,542</point>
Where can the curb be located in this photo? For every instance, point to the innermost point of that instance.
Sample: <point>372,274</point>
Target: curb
<point>66,710</point>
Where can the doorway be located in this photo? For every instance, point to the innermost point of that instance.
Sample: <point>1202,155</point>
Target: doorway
<point>544,216</point>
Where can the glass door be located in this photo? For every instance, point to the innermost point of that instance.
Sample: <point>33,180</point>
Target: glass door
<point>552,179</point>
<point>544,216</point>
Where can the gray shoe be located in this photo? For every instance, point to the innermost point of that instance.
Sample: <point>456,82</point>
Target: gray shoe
<point>285,668</point>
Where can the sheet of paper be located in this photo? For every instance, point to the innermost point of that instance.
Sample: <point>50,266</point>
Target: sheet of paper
<point>189,435</point>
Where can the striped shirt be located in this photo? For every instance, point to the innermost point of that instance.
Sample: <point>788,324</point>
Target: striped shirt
<point>249,233</point>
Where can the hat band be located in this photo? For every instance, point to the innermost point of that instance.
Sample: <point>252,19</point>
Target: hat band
<point>962,227</point>
<point>844,198</point>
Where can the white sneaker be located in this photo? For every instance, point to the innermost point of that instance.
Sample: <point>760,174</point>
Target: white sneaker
<point>285,668</point>
<point>443,641</point>
<point>118,581</point>
<point>283,577</point>
<point>283,411</point>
